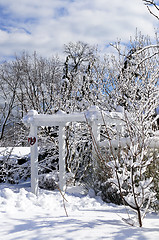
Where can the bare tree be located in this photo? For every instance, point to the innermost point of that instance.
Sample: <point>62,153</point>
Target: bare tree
<point>84,78</point>
<point>9,75</point>
<point>80,60</point>
<point>40,82</point>
<point>28,82</point>
<point>135,68</point>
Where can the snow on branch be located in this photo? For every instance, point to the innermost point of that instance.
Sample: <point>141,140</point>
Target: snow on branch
<point>146,48</point>
<point>150,4</point>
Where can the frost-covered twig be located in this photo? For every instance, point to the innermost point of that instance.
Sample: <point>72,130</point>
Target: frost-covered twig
<point>64,199</point>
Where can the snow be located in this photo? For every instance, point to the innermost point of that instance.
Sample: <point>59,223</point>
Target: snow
<point>119,109</point>
<point>16,151</point>
<point>25,216</point>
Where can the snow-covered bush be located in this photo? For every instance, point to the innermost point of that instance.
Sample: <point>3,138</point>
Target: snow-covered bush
<point>48,181</point>
<point>130,162</point>
<point>79,151</point>
<point>13,169</point>
<point>99,181</point>
<point>48,149</point>
<point>153,172</point>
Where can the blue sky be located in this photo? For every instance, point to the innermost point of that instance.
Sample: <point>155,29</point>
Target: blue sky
<point>46,25</point>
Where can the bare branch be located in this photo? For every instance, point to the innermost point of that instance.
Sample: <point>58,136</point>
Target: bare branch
<point>150,4</point>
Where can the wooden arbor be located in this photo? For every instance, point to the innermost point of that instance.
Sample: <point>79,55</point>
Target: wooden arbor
<point>95,119</point>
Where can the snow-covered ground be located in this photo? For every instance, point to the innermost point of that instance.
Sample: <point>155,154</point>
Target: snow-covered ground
<point>25,216</point>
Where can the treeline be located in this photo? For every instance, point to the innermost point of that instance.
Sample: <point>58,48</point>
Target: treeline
<point>83,79</point>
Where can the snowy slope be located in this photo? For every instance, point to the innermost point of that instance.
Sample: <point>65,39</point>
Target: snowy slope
<point>25,216</point>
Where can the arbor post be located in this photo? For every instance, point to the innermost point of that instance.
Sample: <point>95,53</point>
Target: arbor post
<point>34,159</point>
<point>62,168</point>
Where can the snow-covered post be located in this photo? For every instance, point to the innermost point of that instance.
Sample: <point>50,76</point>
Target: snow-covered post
<point>62,176</point>
<point>32,139</point>
<point>34,159</point>
<point>62,167</point>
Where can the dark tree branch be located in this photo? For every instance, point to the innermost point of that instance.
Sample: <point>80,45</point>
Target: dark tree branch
<point>150,4</point>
